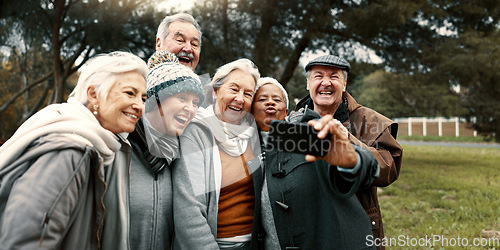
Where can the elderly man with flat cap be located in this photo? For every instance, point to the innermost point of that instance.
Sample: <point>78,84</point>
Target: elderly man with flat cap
<point>326,82</point>
<point>310,202</point>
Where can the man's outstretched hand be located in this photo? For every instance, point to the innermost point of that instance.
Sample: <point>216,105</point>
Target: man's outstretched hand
<point>341,152</point>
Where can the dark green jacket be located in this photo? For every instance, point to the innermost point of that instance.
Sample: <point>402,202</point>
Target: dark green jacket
<point>377,133</point>
<point>314,205</point>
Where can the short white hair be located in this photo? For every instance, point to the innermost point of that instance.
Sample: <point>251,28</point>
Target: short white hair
<point>269,80</point>
<point>180,17</point>
<point>101,71</point>
<point>220,76</point>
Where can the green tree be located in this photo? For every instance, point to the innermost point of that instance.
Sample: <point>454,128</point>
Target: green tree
<point>274,34</point>
<point>399,95</point>
<point>75,30</point>
<point>425,45</point>
<point>414,38</point>
<point>473,66</point>
<point>15,72</point>
<point>64,35</point>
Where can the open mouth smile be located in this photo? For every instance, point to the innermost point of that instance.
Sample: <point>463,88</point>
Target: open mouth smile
<point>185,58</point>
<point>234,108</point>
<point>182,120</point>
<point>131,115</point>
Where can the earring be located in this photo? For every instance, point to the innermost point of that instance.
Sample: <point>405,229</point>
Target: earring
<point>95,109</point>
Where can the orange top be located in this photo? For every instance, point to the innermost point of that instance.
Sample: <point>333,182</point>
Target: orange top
<point>237,198</point>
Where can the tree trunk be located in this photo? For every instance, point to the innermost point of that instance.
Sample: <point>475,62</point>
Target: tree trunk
<point>293,60</point>
<point>261,52</point>
<point>56,48</point>
<point>225,23</point>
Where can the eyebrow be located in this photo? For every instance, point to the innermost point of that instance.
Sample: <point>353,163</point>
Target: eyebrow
<point>135,89</point>
<point>178,33</point>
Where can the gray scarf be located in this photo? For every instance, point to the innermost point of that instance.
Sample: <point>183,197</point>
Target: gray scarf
<point>160,144</point>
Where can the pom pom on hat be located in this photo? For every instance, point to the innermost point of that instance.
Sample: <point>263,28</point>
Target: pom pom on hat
<point>160,57</point>
<point>168,77</point>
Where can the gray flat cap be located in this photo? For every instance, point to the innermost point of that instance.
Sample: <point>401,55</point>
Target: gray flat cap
<point>329,60</point>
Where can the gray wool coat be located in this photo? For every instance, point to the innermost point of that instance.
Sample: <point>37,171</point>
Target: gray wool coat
<point>195,192</point>
<point>50,196</point>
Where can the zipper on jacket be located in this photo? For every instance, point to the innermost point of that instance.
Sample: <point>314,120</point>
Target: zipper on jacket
<point>102,202</point>
<point>48,214</point>
<point>155,212</point>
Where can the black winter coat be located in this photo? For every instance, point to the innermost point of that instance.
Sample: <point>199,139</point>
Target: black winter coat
<point>314,205</point>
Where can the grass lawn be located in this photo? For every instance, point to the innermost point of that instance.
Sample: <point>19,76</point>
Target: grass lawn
<point>449,192</point>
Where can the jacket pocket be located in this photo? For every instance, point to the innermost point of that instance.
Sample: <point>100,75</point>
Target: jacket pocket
<point>374,216</point>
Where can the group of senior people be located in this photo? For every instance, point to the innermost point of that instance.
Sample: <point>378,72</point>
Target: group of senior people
<point>134,161</point>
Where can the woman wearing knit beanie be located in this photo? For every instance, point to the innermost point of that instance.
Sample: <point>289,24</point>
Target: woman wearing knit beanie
<point>174,94</point>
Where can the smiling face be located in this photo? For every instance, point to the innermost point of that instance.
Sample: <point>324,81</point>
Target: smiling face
<point>183,39</point>
<point>120,110</point>
<point>176,113</point>
<point>234,97</point>
<point>269,104</point>
<point>325,85</point>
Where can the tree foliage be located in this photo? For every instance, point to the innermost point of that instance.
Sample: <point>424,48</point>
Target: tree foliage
<point>421,44</point>
<point>54,38</point>
<point>474,67</point>
<point>427,47</point>
<point>74,30</point>
<point>398,95</point>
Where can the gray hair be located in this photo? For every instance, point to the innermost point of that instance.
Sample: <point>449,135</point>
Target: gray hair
<point>308,73</point>
<point>220,76</point>
<point>180,17</point>
<point>102,70</point>
<point>269,80</point>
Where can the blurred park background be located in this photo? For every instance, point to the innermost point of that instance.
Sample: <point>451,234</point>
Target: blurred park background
<point>410,58</point>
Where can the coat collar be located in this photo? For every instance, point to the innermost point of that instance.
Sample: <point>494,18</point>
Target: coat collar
<point>342,112</point>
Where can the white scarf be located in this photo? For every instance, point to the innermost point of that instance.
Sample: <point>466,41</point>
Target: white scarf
<point>66,118</point>
<point>233,139</point>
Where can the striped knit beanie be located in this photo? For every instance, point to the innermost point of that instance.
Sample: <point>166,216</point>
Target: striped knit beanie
<point>168,77</point>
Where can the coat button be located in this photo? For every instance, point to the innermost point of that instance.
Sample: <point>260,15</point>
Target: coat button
<point>282,205</point>
<point>279,174</point>
<point>373,223</point>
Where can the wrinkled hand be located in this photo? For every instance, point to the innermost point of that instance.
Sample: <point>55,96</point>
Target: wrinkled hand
<point>341,152</point>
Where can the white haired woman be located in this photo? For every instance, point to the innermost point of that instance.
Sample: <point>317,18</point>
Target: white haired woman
<point>215,178</point>
<point>53,168</point>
